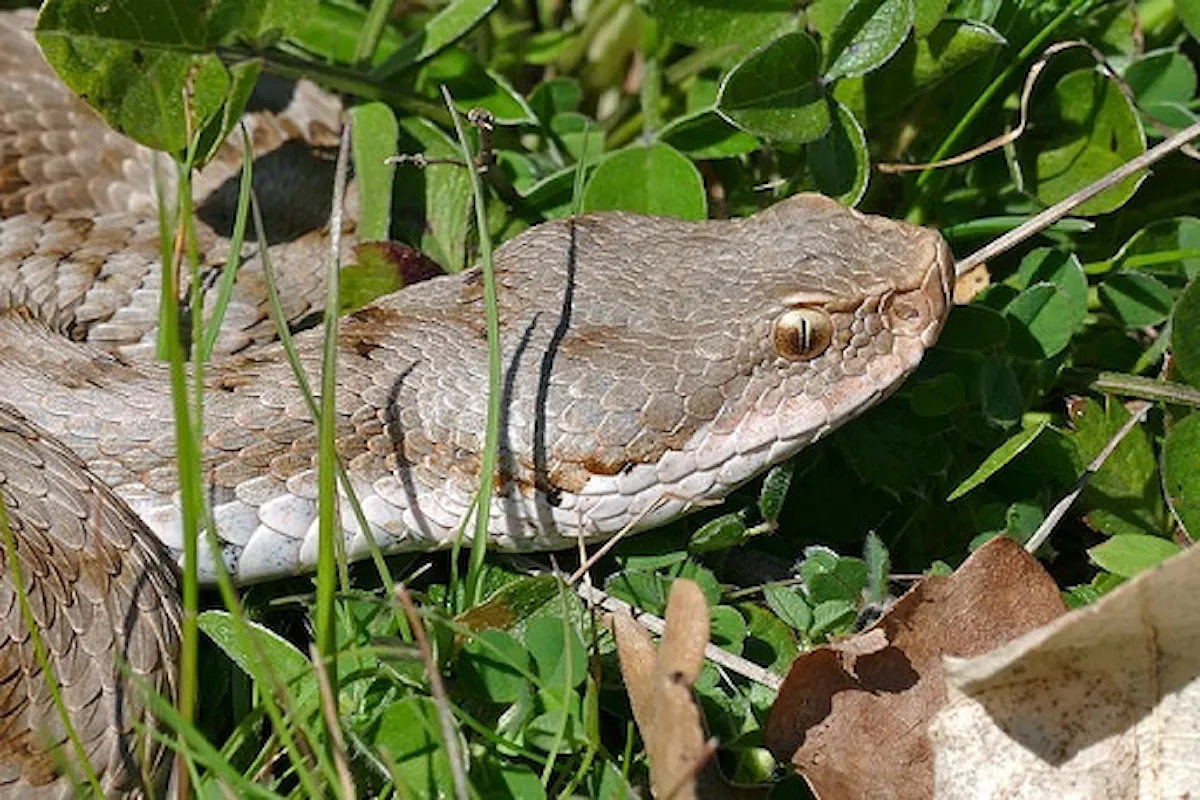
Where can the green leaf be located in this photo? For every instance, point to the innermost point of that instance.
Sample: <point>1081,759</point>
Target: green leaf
<point>495,665</point>
<point>1185,334</point>
<point>409,732</point>
<point>473,86</point>
<point>643,590</point>
<point>830,616</point>
<point>1137,300</point>
<point>720,533</point>
<point>545,639</point>
<point>1127,555</point>
<point>501,780</point>
<point>879,567</point>
<point>513,604</point>
<point>919,66</point>
<point>287,663</point>
<point>1124,496</point>
<point>332,33</point>
<point>1181,472</point>
<point>705,134</point>
<point>1041,321</point>
<point>775,92</point>
<point>1066,273</point>
<point>972,328</point>
<point>769,641</point>
<point>1163,76</point>
<point>448,26</point>
<point>582,137</point>
<point>790,606</point>
<point>829,576</point>
<point>714,23</point>
<point>555,96</point>
<point>257,23</point>
<point>1079,132</point>
<point>431,204</point>
<point>728,629</point>
<point>1189,15</point>
<point>1001,399</point>
<point>374,132</point>
<point>774,491</point>
<point>1165,247</point>
<point>838,162</point>
<point>649,180</point>
<point>891,448</point>
<point>133,67</point>
<point>1002,455</point>
<point>868,34</point>
<point>937,396</point>
<point>927,15</point>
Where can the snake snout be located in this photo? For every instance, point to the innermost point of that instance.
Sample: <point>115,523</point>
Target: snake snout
<point>920,312</point>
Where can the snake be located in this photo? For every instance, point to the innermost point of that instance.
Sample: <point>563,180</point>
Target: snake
<point>650,366</point>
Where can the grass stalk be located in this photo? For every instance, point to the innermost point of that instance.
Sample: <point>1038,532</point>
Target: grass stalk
<point>487,466</point>
<point>187,452</point>
<point>327,500</point>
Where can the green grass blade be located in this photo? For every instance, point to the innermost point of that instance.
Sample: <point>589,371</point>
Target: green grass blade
<point>487,467</point>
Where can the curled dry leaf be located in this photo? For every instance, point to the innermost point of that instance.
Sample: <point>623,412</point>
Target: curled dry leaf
<point>970,283</point>
<point>852,718</point>
<point>659,683</point>
<point>1103,702</point>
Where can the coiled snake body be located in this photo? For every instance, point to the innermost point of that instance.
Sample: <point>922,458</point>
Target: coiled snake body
<point>649,364</point>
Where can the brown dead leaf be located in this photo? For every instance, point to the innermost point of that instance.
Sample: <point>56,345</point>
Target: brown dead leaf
<point>1102,702</point>
<point>864,734</point>
<point>971,283</point>
<point>659,683</point>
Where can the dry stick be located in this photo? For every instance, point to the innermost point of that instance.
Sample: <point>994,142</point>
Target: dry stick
<point>1045,219</point>
<point>1137,412</point>
<point>438,689</point>
<point>611,543</point>
<point>329,711</point>
<point>1023,119</point>
<point>735,664</point>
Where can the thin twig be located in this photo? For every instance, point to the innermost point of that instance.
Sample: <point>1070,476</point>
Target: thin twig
<point>438,689</point>
<point>612,542</point>
<point>1137,412</point>
<point>1035,71</point>
<point>1039,222</point>
<point>735,664</point>
<point>332,723</point>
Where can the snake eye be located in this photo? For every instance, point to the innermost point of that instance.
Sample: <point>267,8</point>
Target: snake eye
<point>802,334</point>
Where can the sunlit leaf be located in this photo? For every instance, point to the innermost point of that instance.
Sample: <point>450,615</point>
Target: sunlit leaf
<point>1129,554</point>
<point>1002,455</point>
<point>867,35</point>
<point>650,180</point>
<point>713,23</point>
<point>1081,130</point>
<point>839,162</point>
<point>775,92</point>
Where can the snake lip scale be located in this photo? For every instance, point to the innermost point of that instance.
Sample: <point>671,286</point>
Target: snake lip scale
<point>650,365</point>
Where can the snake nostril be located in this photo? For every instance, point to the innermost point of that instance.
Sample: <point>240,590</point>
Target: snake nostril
<point>907,313</point>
